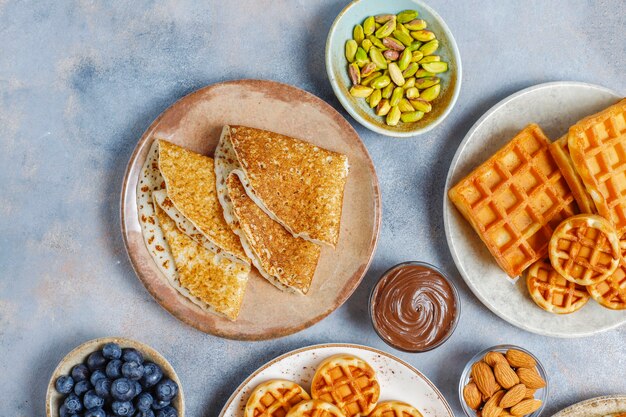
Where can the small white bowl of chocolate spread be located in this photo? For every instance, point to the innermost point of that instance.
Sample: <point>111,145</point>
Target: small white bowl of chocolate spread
<point>414,307</point>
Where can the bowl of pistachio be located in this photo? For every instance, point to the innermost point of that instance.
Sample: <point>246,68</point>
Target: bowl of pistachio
<point>394,66</point>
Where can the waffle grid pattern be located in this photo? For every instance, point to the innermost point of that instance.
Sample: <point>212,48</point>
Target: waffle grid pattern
<point>274,400</point>
<point>395,409</point>
<point>553,292</point>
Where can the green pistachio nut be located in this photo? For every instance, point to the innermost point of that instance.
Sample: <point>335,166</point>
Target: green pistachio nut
<point>416,24</point>
<point>429,48</point>
<point>393,117</point>
<point>375,98</point>
<point>431,93</point>
<point>430,58</point>
<point>411,117</point>
<point>410,70</point>
<point>404,60</point>
<point>355,73</point>
<point>351,47</point>
<point>396,74</point>
<point>381,82</point>
<point>383,107</point>
<point>393,44</point>
<point>386,29</point>
<point>406,16</point>
<point>376,42</point>
<point>377,58</point>
<point>358,34</point>
<point>367,80</point>
<point>369,26</point>
<point>422,73</point>
<point>401,28</point>
<point>361,57</point>
<point>368,69</point>
<point>405,106</point>
<point>391,55</point>
<point>409,83</point>
<point>412,93</point>
<point>423,35</point>
<point>417,56</point>
<point>404,38</point>
<point>361,91</point>
<point>435,67</point>
<point>366,44</point>
<point>388,91</point>
<point>415,45</point>
<point>421,105</point>
<point>426,82</point>
<point>383,18</point>
<point>396,96</point>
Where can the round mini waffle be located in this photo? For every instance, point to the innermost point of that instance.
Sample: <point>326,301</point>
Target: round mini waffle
<point>552,292</point>
<point>315,408</point>
<point>585,249</point>
<point>348,382</point>
<point>274,398</point>
<point>611,293</point>
<point>395,409</point>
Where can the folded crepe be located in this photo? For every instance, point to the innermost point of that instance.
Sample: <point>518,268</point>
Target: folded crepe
<point>294,182</point>
<point>286,261</point>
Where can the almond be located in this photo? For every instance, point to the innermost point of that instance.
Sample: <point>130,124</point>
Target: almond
<point>530,393</point>
<point>505,375</point>
<point>519,359</point>
<point>525,407</point>
<point>472,396</point>
<point>505,413</point>
<point>491,358</point>
<point>491,407</point>
<point>484,378</point>
<point>531,378</point>
<point>513,396</point>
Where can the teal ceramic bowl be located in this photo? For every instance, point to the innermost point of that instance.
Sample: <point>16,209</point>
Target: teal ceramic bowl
<point>337,65</point>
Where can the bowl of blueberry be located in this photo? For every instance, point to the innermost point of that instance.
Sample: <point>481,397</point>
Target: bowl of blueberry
<point>114,377</point>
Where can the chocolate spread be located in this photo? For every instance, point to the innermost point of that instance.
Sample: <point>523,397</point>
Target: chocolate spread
<point>413,307</point>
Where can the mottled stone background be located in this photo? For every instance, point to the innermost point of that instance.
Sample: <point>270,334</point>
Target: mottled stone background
<point>81,80</point>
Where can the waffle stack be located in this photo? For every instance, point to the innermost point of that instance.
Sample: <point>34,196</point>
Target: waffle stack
<point>517,198</point>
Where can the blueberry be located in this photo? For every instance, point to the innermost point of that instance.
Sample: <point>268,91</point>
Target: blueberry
<point>103,388</point>
<point>122,408</point>
<point>95,412</point>
<point>159,404</point>
<point>73,404</point>
<point>152,374</point>
<point>92,400</point>
<point>123,389</point>
<point>132,370</point>
<point>138,388</point>
<point>64,413</point>
<point>168,411</point>
<point>95,360</point>
<point>96,375</point>
<point>112,351</point>
<point>114,369</point>
<point>80,372</point>
<point>166,390</point>
<point>64,384</point>
<point>146,413</point>
<point>144,401</point>
<point>132,355</point>
<point>82,387</point>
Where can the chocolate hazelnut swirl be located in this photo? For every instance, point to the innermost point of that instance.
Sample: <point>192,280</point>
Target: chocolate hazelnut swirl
<point>413,307</point>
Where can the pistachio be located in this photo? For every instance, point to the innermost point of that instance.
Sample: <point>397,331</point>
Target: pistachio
<point>391,55</point>
<point>396,96</point>
<point>415,45</point>
<point>406,16</point>
<point>369,26</point>
<point>431,93</point>
<point>367,80</point>
<point>435,67</point>
<point>386,29</point>
<point>361,57</point>
<point>355,73</point>
<point>426,82</point>
<point>383,107</point>
<point>423,35</point>
<point>387,91</point>
<point>393,43</point>
<point>417,56</point>
<point>396,74</point>
<point>412,93</point>
<point>421,105</point>
<point>368,69</point>
<point>375,98</point>
<point>405,38</point>
<point>377,58</point>
<point>361,91</point>
<point>422,73</point>
<point>401,28</point>
<point>393,117</point>
<point>404,60</point>
<point>409,83</point>
<point>376,42</point>
<point>430,58</point>
<point>429,48</point>
<point>358,34</point>
<point>410,70</point>
<point>383,18</point>
<point>411,117</point>
<point>405,106</point>
<point>366,45</point>
<point>416,24</point>
<point>381,82</point>
<point>351,47</point>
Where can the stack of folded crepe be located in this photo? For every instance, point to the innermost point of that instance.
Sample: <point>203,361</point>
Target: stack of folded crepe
<point>267,199</point>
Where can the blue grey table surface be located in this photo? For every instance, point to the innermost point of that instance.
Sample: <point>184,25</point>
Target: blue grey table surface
<point>81,80</point>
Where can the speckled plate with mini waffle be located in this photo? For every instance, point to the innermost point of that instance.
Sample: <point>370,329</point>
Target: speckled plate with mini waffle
<point>398,380</point>
<point>554,107</point>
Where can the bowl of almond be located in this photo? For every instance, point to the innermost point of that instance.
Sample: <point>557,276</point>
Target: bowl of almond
<point>503,381</point>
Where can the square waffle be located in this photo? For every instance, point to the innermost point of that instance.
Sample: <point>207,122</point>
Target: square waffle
<point>515,200</point>
<point>598,148</point>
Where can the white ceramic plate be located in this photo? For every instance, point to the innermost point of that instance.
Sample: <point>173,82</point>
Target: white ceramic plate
<point>398,380</point>
<point>555,107</point>
<point>596,407</point>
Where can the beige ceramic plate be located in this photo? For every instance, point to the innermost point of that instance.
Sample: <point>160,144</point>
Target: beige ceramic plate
<point>79,355</point>
<point>195,122</point>
<point>398,380</point>
<point>609,405</point>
